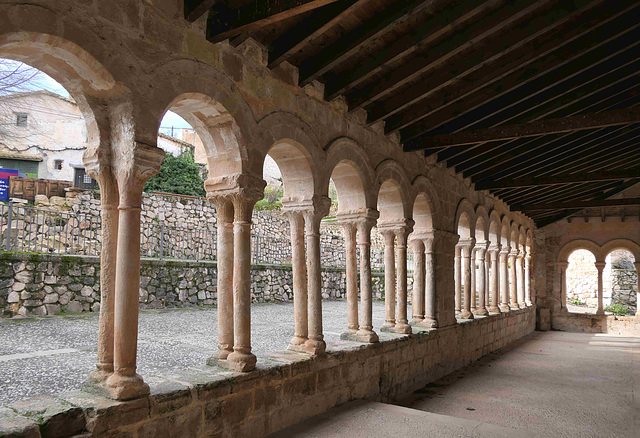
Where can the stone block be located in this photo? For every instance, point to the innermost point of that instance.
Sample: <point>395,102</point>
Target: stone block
<point>57,418</point>
<point>13,425</point>
<point>74,307</point>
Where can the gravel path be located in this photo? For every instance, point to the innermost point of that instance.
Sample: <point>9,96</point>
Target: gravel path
<point>53,354</point>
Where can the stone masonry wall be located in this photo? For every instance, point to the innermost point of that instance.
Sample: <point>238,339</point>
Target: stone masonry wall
<point>213,402</point>
<point>39,284</point>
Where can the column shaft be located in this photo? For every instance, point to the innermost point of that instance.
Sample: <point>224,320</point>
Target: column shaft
<point>402,325</point>
<point>472,301</point>
<point>520,278</point>
<point>600,266</point>
<point>366,333</point>
<point>430,319</point>
<point>417,304</point>
<point>493,281</point>
<point>513,302</point>
<point>457,279</point>
<point>527,280</point>
<point>389,280</point>
<point>481,281</point>
<point>352,277</point>
<point>224,214</point>
<point>504,280</point>
<point>315,345</point>
<point>298,265</point>
<point>466,268</point>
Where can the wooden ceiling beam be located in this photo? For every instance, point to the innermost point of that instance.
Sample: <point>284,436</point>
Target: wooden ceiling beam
<point>226,23</point>
<point>194,9</point>
<point>576,204</point>
<point>310,28</point>
<point>320,63</point>
<point>560,179</point>
<point>522,130</point>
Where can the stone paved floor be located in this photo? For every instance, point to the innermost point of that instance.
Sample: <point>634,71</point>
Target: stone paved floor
<point>53,354</point>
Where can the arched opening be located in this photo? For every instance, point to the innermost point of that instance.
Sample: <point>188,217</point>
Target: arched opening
<point>479,268</point>
<point>620,283</point>
<point>582,282</point>
<point>422,214</point>
<point>463,266</point>
<point>349,187</point>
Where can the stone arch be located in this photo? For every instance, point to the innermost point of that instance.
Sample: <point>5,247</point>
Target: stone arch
<point>589,245</point>
<point>505,232</point>
<point>297,172</point>
<point>625,244</point>
<point>465,220</point>
<point>494,227</point>
<point>522,238</point>
<point>427,212</point>
<point>514,237</point>
<point>393,192</point>
<point>349,167</point>
<point>482,224</point>
<point>529,242</point>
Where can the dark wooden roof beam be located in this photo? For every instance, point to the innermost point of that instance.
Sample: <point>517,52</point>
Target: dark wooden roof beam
<point>577,204</point>
<point>560,179</point>
<point>194,9</point>
<point>225,23</point>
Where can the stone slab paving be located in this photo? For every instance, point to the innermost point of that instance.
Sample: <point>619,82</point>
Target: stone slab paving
<point>549,383</point>
<point>53,354</point>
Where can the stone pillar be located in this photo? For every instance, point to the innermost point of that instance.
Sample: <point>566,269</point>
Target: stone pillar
<point>444,249</point>
<point>520,278</point>
<point>493,279</point>
<point>349,229</point>
<point>366,333</point>
<point>402,325</point>
<point>504,280</point>
<point>467,248</point>
<point>299,271</point>
<point>457,274</point>
<point>224,216</point>
<point>637,265</point>
<point>109,213</point>
<point>600,267</point>
<point>389,280</point>
<point>417,304</point>
<point>430,304</point>
<point>513,299</point>
<point>242,359</point>
<point>133,171</point>
<point>474,270</point>
<point>562,268</point>
<point>480,250</point>
<point>315,344</point>
<point>527,280</point>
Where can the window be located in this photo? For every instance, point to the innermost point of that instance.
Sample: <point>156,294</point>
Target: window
<point>57,164</point>
<point>84,181</point>
<point>21,119</point>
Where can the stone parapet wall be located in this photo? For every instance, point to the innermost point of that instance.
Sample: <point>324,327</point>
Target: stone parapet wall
<point>589,323</point>
<point>41,284</point>
<point>213,402</point>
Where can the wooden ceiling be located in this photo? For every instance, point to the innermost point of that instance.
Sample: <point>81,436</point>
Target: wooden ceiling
<point>536,101</point>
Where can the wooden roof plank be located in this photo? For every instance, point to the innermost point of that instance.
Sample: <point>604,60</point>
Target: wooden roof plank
<point>546,180</point>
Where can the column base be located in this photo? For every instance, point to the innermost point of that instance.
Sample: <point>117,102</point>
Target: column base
<point>100,374</point>
<point>388,327</point>
<point>466,315</point>
<point>222,353</point>
<point>600,312</point>
<point>402,328</point>
<point>504,307</point>
<point>424,323</point>
<point>366,336</point>
<point>528,303</point>
<point>481,311</point>
<point>514,306</point>
<point>493,309</point>
<point>310,346</point>
<point>122,387</point>
<point>241,361</point>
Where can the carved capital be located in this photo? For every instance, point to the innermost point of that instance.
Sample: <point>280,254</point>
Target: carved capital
<point>249,186</point>
<point>224,208</point>
<point>562,266</point>
<point>97,164</point>
<point>133,169</point>
<point>243,207</point>
<point>600,266</point>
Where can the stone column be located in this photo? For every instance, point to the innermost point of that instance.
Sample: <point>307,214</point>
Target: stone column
<point>315,345</point>
<point>402,325</point>
<point>109,213</point>
<point>242,359</point>
<point>349,229</point>
<point>513,299</point>
<point>504,280</point>
<point>135,167</point>
<point>520,278</point>
<point>474,269</point>
<point>481,249</point>
<point>389,280</point>
<point>430,318</point>
<point>299,271</point>
<point>562,268</point>
<point>637,265</point>
<point>417,304</point>
<point>467,248</point>
<point>224,216</point>
<point>457,279</point>
<point>600,267</point>
<point>527,280</point>
<point>493,279</point>
<point>366,333</point>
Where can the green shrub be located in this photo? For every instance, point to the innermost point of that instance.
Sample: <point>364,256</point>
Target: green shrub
<point>619,309</point>
<point>577,302</point>
<point>179,175</point>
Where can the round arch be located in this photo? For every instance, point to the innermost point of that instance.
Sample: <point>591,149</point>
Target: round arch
<point>426,203</point>
<point>465,220</point>
<point>625,244</point>
<point>589,245</point>
<point>482,224</point>
<point>393,192</point>
<point>494,227</point>
<point>297,172</point>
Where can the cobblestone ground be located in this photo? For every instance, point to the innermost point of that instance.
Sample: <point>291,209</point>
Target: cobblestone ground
<point>54,354</point>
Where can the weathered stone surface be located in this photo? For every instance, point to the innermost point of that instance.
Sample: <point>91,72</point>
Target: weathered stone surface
<point>13,425</point>
<point>56,418</point>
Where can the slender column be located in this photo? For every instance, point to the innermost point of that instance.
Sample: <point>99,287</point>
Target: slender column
<point>504,280</point>
<point>402,326</point>
<point>417,304</point>
<point>132,174</point>
<point>389,280</point>
<point>366,333</point>
<point>527,280</point>
<point>457,279</point>
<point>487,264</point>
<point>224,215</point>
<point>349,229</point>
<point>315,345</point>
<point>298,266</point>
<point>562,268</point>
<point>480,280</point>
<point>520,278</point>
<point>493,279</point>
<point>473,286</point>
<point>242,359</point>
<point>513,299</point>
<point>467,247</point>
<point>637,265</point>
<point>430,319</point>
<point>600,267</point>
<point>109,212</point>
